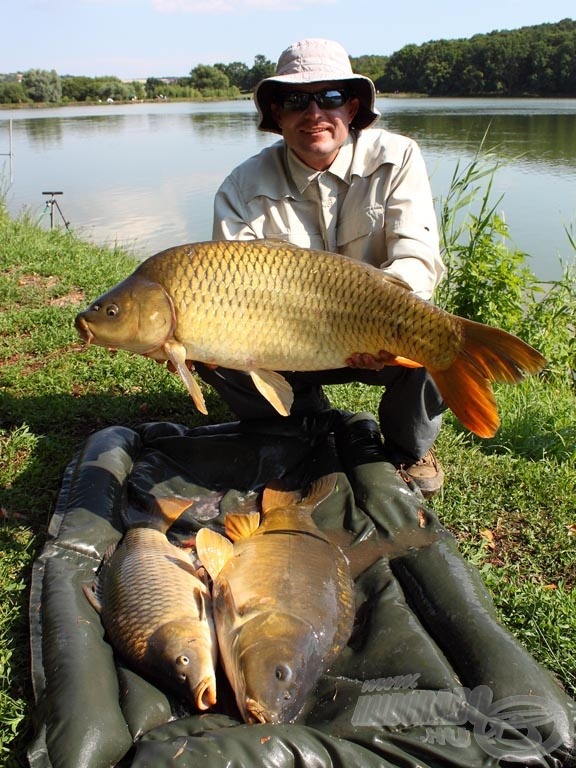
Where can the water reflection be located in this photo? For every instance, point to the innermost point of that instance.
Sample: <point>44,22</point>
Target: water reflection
<point>536,138</point>
<point>145,174</point>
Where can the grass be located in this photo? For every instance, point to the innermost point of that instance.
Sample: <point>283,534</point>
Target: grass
<point>511,501</point>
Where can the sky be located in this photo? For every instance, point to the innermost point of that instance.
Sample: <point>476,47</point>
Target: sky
<point>156,38</point>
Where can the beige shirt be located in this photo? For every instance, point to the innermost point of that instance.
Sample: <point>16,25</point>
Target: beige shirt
<point>374,204</point>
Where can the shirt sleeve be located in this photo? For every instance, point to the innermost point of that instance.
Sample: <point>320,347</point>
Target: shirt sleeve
<point>413,249</point>
<point>230,220</point>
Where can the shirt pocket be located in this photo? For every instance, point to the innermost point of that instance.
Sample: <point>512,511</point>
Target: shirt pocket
<point>360,224</point>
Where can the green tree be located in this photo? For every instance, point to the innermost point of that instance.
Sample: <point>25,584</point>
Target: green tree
<point>262,68</point>
<point>402,70</point>
<point>371,66</point>
<point>113,88</point>
<point>208,78</point>
<point>42,85</point>
<point>13,93</point>
<point>237,73</point>
<point>436,68</point>
<point>79,88</point>
<point>565,67</point>
<point>154,87</point>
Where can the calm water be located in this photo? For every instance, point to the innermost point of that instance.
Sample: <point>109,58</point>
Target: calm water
<point>144,175</point>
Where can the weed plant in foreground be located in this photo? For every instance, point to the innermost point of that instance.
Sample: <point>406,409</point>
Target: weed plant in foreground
<point>510,500</point>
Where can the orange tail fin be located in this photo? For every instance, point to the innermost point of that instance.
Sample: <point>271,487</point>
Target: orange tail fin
<point>487,354</point>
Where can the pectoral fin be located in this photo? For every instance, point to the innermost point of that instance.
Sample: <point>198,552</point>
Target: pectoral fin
<point>92,598</point>
<point>213,550</point>
<point>176,353</point>
<point>274,387</point>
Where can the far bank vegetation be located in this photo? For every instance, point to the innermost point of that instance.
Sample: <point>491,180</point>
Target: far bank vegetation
<point>530,61</point>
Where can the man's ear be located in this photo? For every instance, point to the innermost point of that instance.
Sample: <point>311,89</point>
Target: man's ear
<point>276,113</point>
<point>353,107</point>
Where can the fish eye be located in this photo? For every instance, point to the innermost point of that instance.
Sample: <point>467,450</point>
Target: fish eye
<point>283,672</point>
<point>112,310</point>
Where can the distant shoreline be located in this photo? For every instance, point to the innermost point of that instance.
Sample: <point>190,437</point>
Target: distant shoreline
<point>248,97</point>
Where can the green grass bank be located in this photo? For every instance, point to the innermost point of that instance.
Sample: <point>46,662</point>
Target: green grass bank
<point>510,501</point>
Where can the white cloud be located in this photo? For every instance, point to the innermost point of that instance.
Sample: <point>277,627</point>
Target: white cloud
<point>232,6</point>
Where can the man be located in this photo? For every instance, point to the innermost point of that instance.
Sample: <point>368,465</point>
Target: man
<point>336,184</point>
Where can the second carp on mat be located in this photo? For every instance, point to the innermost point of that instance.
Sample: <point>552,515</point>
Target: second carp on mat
<point>157,611</point>
<point>283,601</point>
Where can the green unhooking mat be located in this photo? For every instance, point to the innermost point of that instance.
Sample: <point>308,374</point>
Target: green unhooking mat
<point>428,678</point>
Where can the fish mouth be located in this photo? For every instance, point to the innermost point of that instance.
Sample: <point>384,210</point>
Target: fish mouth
<point>84,329</point>
<point>205,693</point>
<point>256,712</point>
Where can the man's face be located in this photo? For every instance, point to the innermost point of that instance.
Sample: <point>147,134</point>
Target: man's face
<point>314,133</point>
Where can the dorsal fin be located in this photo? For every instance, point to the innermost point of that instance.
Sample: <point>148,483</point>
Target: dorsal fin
<point>320,489</point>
<point>214,551</point>
<point>170,509</point>
<point>240,525</point>
<point>275,497</point>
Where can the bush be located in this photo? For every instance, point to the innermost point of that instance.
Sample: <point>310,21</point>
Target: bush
<point>490,282</point>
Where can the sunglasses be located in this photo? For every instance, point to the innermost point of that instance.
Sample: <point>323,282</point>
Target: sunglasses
<point>298,101</point>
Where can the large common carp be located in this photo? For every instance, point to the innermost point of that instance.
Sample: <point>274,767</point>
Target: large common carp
<point>157,611</point>
<point>283,602</point>
<point>265,306</point>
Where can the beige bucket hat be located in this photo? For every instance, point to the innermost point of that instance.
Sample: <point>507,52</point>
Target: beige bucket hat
<point>315,60</point>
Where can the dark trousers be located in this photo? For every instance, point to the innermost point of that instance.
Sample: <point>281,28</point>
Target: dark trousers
<point>410,410</point>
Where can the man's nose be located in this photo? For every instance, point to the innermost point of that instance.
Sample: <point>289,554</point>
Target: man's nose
<point>313,107</point>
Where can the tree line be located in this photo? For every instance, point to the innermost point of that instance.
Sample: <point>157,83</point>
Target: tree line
<point>204,81</point>
<point>530,61</point>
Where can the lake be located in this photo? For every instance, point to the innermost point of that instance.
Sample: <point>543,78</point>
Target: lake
<point>144,175</point>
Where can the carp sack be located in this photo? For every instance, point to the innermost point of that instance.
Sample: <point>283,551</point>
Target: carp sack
<point>263,306</point>
<point>283,601</point>
<point>157,611</point>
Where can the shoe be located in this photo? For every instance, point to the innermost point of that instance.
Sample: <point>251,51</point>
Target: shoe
<point>427,474</point>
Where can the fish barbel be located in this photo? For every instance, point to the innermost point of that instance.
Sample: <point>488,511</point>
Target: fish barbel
<point>157,611</point>
<point>283,602</point>
<point>264,306</point>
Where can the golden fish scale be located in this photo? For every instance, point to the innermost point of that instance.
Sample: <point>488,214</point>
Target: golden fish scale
<point>310,307</point>
<point>285,565</point>
<point>148,566</point>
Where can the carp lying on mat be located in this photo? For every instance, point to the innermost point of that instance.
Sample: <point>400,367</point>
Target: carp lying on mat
<point>157,611</point>
<point>283,601</point>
